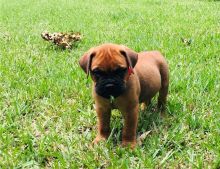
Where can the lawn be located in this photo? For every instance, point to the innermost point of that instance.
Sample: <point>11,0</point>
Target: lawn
<point>47,117</point>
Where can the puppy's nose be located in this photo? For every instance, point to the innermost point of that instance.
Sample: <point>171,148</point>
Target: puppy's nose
<point>109,86</point>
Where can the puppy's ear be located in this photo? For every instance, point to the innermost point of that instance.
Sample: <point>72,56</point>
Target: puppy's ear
<point>86,61</point>
<point>130,56</point>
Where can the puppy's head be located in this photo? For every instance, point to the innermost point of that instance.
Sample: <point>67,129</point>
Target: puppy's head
<point>110,66</point>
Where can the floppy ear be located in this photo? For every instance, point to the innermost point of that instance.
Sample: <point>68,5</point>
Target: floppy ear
<point>130,56</point>
<point>86,61</point>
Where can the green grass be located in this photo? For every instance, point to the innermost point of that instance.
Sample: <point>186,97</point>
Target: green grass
<point>46,109</point>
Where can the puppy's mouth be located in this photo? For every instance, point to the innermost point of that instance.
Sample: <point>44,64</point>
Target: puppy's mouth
<point>110,89</point>
<point>109,83</point>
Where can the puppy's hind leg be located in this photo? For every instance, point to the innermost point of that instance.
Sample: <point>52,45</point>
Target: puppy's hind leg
<point>162,99</point>
<point>164,88</point>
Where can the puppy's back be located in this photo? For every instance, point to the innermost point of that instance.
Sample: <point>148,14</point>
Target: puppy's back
<point>152,70</point>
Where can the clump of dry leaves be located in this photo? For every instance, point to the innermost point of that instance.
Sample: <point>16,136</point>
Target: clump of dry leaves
<point>63,40</point>
<point>186,41</point>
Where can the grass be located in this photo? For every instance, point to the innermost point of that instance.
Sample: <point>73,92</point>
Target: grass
<point>46,109</point>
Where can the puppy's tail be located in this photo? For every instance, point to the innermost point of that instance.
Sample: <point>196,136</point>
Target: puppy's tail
<point>164,73</point>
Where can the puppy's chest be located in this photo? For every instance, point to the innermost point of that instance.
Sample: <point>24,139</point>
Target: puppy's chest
<point>120,104</point>
<point>114,104</point>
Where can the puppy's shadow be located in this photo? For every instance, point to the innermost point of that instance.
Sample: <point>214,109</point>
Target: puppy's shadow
<point>149,119</point>
<point>152,118</point>
<point>53,47</point>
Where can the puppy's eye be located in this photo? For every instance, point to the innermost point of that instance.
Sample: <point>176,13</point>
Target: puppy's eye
<point>120,71</point>
<point>97,72</point>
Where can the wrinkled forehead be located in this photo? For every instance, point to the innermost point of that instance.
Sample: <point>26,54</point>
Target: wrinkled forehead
<point>108,59</point>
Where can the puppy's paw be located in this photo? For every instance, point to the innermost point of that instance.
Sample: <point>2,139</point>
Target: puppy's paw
<point>130,144</point>
<point>98,139</point>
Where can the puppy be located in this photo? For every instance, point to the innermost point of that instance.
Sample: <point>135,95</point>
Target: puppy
<point>122,79</point>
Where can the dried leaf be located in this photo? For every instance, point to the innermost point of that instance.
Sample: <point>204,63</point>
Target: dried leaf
<point>186,41</point>
<point>142,137</point>
<point>63,40</point>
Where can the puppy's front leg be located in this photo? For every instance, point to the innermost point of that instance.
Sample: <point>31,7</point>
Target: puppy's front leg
<point>104,115</point>
<point>130,126</point>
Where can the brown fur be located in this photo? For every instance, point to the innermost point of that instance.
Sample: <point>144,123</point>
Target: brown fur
<point>150,76</point>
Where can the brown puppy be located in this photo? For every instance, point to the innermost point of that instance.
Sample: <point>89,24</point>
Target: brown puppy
<point>122,79</point>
